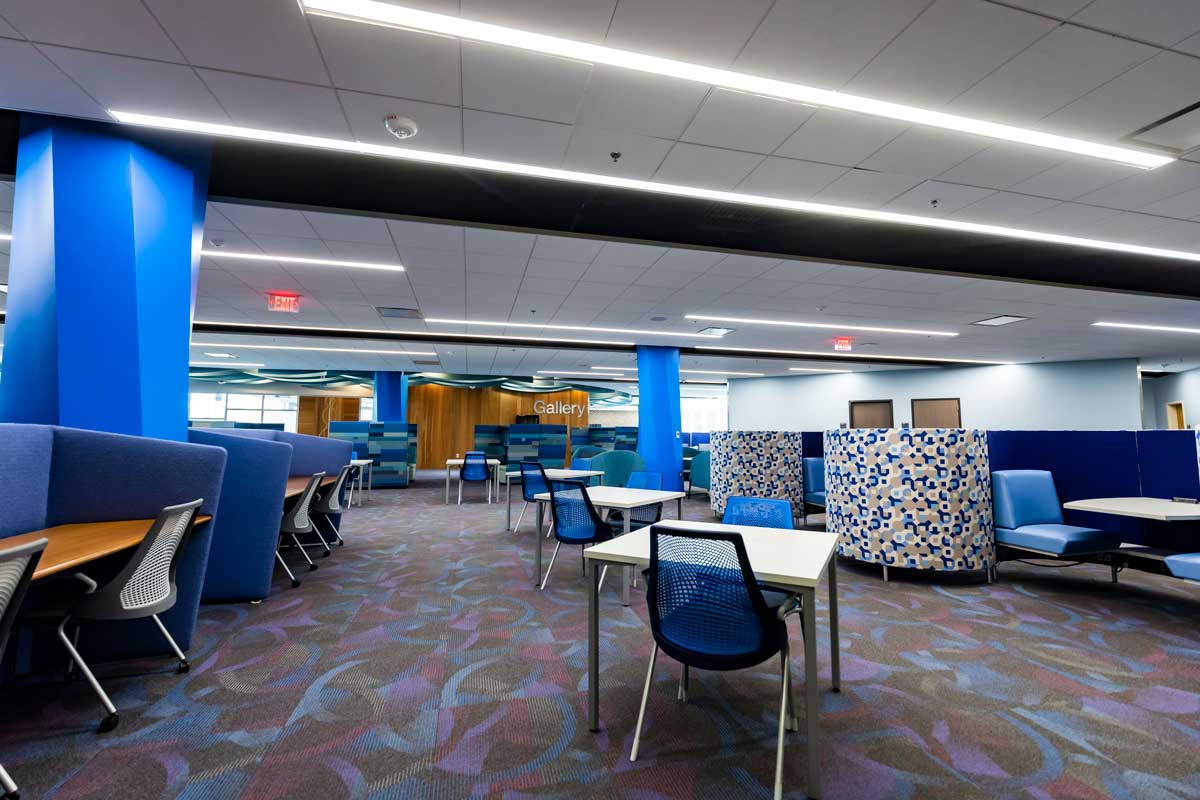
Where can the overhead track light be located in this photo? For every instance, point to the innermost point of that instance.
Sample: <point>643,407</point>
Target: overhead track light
<point>316,262</point>
<point>359,350</point>
<point>395,16</point>
<point>552,327</point>
<point>1156,328</point>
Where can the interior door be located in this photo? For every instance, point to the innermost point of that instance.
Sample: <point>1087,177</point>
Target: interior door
<point>937,412</point>
<point>871,414</point>
<point>1175,416</point>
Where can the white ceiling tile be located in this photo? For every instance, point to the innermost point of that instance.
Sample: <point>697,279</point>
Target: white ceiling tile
<point>553,268</point>
<point>607,273</point>
<point>743,121</point>
<point>710,167</point>
<point>924,152</point>
<point>287,246</point>
<point>709,32</point>
<point>1163,22</point>
<point>494,263</point>
<point>1147,187</point>
<point>428,235</point>
<point>936,199</point>
<point>264,220</point>
<point>504,243</point>
<point>1055,8</point>
<point>790,178</point>
<point>1073,178</point>
<point>439,128</point>
<point>622,254</point>
<point>266,37</point>
<point>591,148</point>
<point>8,32</point>
<point>1181,133</point>
<point>42,87</point>
<point>640,103</point>
<point>948,48</point>
<point>669,278</point>
<point>268,103</point>
<point>797,271</point>
<point>1074,219</point>
<point>865,189</point>
<point>544,284</point>
<point>1003,165</point>
<point>716,283</point>
<point>350,227</point>
<point>1190,45</point>
<point>397,63</point>
<point>824,42</point>
<point>522,83</point>
<point>1182,206</point>
<point>1004,208</point>
<point>746,266</point>
<point>502,137</point>
<point>586,20</point>
<point>1144,94</point>
<point>116,26</point>
<point>839,137</point>
<point>696,261</point>
<point>424,259</point>
<point>564,248</point>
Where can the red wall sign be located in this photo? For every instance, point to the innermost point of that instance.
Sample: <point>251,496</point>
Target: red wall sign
<point>286,302</point>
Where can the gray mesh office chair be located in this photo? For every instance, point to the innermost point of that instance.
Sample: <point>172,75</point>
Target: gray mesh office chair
<point>329,504</point>
<point>16,571</point>
<point>145,587</point>
<point>297,521</point>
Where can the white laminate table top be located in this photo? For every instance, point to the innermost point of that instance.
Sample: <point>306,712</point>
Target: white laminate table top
<point>1143,507</point>
<point>458,462</point>
<point>779,557</point>
<point>361,462</point>
<point>620,497</point>
<point>561,474</point>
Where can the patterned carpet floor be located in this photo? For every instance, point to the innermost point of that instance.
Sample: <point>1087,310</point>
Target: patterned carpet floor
<point>419,662</point>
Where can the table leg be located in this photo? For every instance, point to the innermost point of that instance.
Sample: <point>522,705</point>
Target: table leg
<point>508,499</point>
<point>679,508</point>
<point>447,484</point>
<point>835,644</point>
<point>594,648</point>
<point>537,543</point>
<point>628,570</point>
<point>370,479</point>
<point>812,703</point>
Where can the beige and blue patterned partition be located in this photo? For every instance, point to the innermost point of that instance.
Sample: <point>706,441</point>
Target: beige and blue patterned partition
<point>757,464</point>
<point>917,498</point>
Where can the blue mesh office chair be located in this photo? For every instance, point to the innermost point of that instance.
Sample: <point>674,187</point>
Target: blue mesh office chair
<point>16,571</point>
<point>474,468</point>
<point>642,515</point>
<point>707,611</point>
<point>533,483</point>
<point>760,512</point>
<point>576,520</point>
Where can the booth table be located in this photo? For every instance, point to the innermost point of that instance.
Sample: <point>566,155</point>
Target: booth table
<point>492,463</point>
<point>1142,507</point>
<point>788,560</point>
<point>551,474</point>
<point>364,466</point>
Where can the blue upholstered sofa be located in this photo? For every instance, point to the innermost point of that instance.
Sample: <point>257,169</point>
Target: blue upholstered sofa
<point>1028,516</point>
<point>617,464</point>
<point>55,476</point>
<point>247,531</point>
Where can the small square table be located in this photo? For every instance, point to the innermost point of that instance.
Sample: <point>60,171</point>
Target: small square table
<point>492,463</point>
<point>552,474</point>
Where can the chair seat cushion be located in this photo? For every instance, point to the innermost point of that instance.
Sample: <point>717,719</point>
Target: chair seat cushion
<point>1185,565</point>
<point>816,498</point>
<point>1061,540</point>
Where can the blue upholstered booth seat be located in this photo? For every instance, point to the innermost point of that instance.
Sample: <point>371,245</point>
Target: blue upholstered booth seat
<point>1028,515</point>
<point>814,481</point>
<point>816,498</point>
<point>1185,565</point>
<point>241,561</point>
<point>25,475</point>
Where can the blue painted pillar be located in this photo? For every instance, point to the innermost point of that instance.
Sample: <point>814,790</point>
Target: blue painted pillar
<point>658,413</point>
<point>391,397</point>
<point>102,278</point>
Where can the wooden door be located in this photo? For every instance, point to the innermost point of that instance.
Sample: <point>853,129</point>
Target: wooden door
<point>938,412</point>
<point>871,414</point>
<point>1175,416</point>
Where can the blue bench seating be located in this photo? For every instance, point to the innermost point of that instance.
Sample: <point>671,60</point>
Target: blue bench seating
<point>1185,565</point>
<point>814,484</point>
<point>1028,516</point>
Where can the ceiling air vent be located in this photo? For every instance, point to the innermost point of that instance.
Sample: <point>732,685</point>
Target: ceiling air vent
<point>398,313</point>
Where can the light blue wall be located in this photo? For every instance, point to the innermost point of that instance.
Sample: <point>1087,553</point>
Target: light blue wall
<point>1180,387</point>
<point>1081,395</point>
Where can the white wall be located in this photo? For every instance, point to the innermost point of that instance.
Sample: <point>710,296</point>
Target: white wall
<point>1180,387</point>
<point>1081,395</point>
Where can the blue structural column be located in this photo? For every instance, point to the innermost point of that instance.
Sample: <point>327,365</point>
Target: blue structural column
<point>102,276</point>
<point>391,397</point>
<point>658,413</point>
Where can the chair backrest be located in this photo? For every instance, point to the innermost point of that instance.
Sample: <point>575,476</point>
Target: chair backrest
<point>701,464</point>
<point>586,451</point>
<point>814,474</point>
<point>760,512</point>
<point>329,501</point>
<point>297,519</point>
<point>706,609</point>
<point>644,480</point>
<point>16,571</point>
<point>146,584</point>
<point>690,451</point>
<point>579,462</point>
<point>533,480</point>
<point>474,467</point>
<point>1024,497</point>
<point>576,520</point>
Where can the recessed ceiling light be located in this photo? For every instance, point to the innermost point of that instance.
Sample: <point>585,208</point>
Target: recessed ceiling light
<point>616,369</point>
<point>717,331</point>
<point>387,332</point>
<point>706,383</point>
<point>816,369</point>
<point>239,365</point>
<point>220,355</point>
<point>846,356</point>
<point>389,15</point>
<point>1157,328</point>
<point>316,262</point>
<point>5,237</point>
<point>1003,319</point>
<point>3,288</point>
<point>548,326</point>
<point>722,372</point>
<point>360,350</point>
<point>821,325</point>
<point>633,184</point>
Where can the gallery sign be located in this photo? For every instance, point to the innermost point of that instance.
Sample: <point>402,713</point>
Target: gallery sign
<point>559,407</point>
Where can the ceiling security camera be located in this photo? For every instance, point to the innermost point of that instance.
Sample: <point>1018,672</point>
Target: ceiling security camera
<point>400,127</point>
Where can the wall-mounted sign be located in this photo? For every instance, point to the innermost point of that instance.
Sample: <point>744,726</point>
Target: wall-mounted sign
<point>843,344</point>
<point>559,407</point>
<point>286,302</point>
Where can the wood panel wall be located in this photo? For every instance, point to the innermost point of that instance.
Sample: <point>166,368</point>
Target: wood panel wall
<point>446,416</point>
<point>317,412</point>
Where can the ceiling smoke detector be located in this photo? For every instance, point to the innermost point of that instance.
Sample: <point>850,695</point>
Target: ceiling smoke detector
<point>399,126</point>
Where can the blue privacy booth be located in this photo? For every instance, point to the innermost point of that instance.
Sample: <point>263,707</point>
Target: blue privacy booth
<point>246,533</point>
<point>310,454</point>
<point>56,476</point>
<point>1029,516</point>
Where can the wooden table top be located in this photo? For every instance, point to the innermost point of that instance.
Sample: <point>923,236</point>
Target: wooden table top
<point>69,546</point>
<point>295,486</point>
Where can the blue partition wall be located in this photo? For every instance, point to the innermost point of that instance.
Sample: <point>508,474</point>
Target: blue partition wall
<point>625,439</point>
<point>1167,466</point>
<point>490,439</point>
<point>387,444</point>
<point>552,446</point>
<point>605,438</point>
<point>813,443</point>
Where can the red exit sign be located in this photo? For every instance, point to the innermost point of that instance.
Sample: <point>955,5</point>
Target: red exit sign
<point>286,302</point>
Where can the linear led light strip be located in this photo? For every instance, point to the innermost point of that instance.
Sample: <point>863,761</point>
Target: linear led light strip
<point>547,326</point>
<point>632,184</point>
<point>841,356</point>
<point>820,325</point>
<point>301,331</point>
<point>1132,327</point>
<point>817,369</point>
<point>556,372</point>
<point>233,366</point>
<point>689,371</point>
<point>386,14</point>
<point>314,349</point>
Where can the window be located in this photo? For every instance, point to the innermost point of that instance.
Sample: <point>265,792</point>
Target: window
<point>256,408</point>
<point>366,409</point>
<point>704,414</point>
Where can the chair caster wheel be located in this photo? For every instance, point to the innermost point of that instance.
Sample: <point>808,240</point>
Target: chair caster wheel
<point>837,689</point>
<point>184,666</point>
<point>110,722</point>
<point>313,567</point>
<point>327,554</point>
<point>341,544</point>
<point>12,796</point>
<point>295,583</point>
